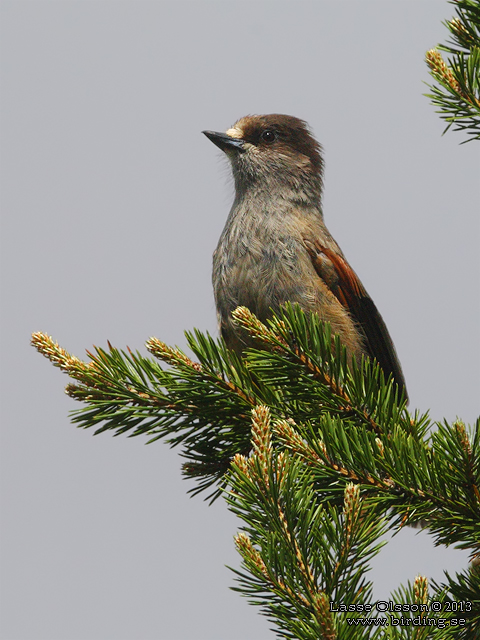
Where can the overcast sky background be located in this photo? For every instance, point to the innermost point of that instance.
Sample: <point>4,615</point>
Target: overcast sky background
<point>112,204</point>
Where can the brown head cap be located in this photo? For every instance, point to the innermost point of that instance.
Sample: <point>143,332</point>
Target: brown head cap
<point>280,135</point>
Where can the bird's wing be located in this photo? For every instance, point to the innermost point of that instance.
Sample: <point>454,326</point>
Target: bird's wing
<point>345,285</point>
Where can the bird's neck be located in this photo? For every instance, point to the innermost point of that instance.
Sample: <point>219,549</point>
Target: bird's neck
<point>282,191</point>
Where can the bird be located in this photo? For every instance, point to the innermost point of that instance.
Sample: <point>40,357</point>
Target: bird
<point>275,247</point>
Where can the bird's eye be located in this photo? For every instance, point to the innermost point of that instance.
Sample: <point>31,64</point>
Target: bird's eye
<point>269,136</point>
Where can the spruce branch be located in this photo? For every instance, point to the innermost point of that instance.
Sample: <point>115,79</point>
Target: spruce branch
<point>317,455</point>
<point>297,554</point>
<point>193,404</point>
<point>457,89</point>
<point>317,361</point>
<point>345,422</point>
<point>464,588</point>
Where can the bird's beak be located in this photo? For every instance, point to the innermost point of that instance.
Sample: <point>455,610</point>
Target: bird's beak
<point>225,142</point>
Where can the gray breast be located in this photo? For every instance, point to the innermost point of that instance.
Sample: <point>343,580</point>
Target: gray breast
<point>260,269</point>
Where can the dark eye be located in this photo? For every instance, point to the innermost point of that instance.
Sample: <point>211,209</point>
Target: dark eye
<point>269,136</point>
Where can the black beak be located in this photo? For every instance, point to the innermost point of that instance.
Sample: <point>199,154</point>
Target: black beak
<point>224,142</point>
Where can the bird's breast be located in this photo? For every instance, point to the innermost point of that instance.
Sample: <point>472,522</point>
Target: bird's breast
<point>261,266</point>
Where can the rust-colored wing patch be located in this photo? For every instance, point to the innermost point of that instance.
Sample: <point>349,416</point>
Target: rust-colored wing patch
<point>343,282</point>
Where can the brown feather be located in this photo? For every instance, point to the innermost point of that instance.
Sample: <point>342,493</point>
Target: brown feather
<point>352,295</point>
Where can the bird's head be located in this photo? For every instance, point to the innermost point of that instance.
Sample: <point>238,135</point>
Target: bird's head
<point>273,151</point>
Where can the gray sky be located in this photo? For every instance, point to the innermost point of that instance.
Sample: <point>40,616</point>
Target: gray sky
<point>112,204</point>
